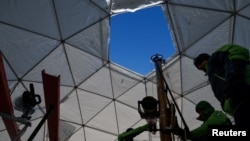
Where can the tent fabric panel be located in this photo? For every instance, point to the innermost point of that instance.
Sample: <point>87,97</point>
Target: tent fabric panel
<point>10,73</point>
<point>91,105</point>
<point>105,5</point>
<point>223,5</point>
<point>78,135</point>
<point>69,13</point>
<point>204,93</point>
<point>82,64</point>
<point>151,89</point>
<point>93,40</point>
<point>244,12</point>
<point>243,4</point>
<point>173,77</point>
<point>32,16</point>
<point>20,52</point>
<point>127,117</point>
<point>67,129</point>
<point>190,74</point>
<point>70,109</point>
<point>94,135</point>
<point>122,80</point>
<point>133,95</point>
<point>65,92</point>
<point>55,64</point>
<point>216,38</point>
<point>4,134</point>
<point>190,114</point>
<point>96,94</point>
<point>127,72</point>
<point>100,83</point>
<point>242,31</point>
<point>106,120</point>
<point>187,20</point>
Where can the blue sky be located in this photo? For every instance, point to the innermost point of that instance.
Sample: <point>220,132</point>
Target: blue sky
<point>135,37</point>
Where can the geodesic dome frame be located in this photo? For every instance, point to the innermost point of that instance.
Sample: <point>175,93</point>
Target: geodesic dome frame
<point>98,99</point>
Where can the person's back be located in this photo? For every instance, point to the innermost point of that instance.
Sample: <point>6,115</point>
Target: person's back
<point>228,71</point>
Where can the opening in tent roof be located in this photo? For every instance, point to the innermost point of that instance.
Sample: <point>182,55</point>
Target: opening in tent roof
<point>136,36</point>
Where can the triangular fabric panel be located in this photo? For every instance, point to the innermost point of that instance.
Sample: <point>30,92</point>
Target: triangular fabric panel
<point>99,98</point>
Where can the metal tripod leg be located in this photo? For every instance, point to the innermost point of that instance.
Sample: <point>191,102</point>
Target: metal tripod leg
<point>20,120</point>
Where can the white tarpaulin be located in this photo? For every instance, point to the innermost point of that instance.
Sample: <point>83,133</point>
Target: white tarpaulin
<point>98,99</point>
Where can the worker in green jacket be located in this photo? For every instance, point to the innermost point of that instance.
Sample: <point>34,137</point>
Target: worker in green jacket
<point>210,117</point>
<point>131,133</point>
<point>228,72</point>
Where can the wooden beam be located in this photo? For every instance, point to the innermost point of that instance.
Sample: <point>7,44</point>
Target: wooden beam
<point>164,118</point>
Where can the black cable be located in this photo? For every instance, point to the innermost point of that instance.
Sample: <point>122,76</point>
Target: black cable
<point>41,123</point>
<point>168,90</point>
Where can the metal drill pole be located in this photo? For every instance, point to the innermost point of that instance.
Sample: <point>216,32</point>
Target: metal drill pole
<point>164,118</point>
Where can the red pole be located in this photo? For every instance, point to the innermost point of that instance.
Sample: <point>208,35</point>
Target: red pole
<point>6,103</point>
<point>51,86</point>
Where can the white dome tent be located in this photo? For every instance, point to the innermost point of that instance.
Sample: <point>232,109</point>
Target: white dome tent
<point>98,99</point>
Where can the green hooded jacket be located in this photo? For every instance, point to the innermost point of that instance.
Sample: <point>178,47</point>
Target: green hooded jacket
<point>223,56</point>
<point>211,117</point>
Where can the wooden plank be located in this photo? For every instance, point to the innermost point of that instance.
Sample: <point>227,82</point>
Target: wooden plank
<point>6,103</point>
<point>51,86</point>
